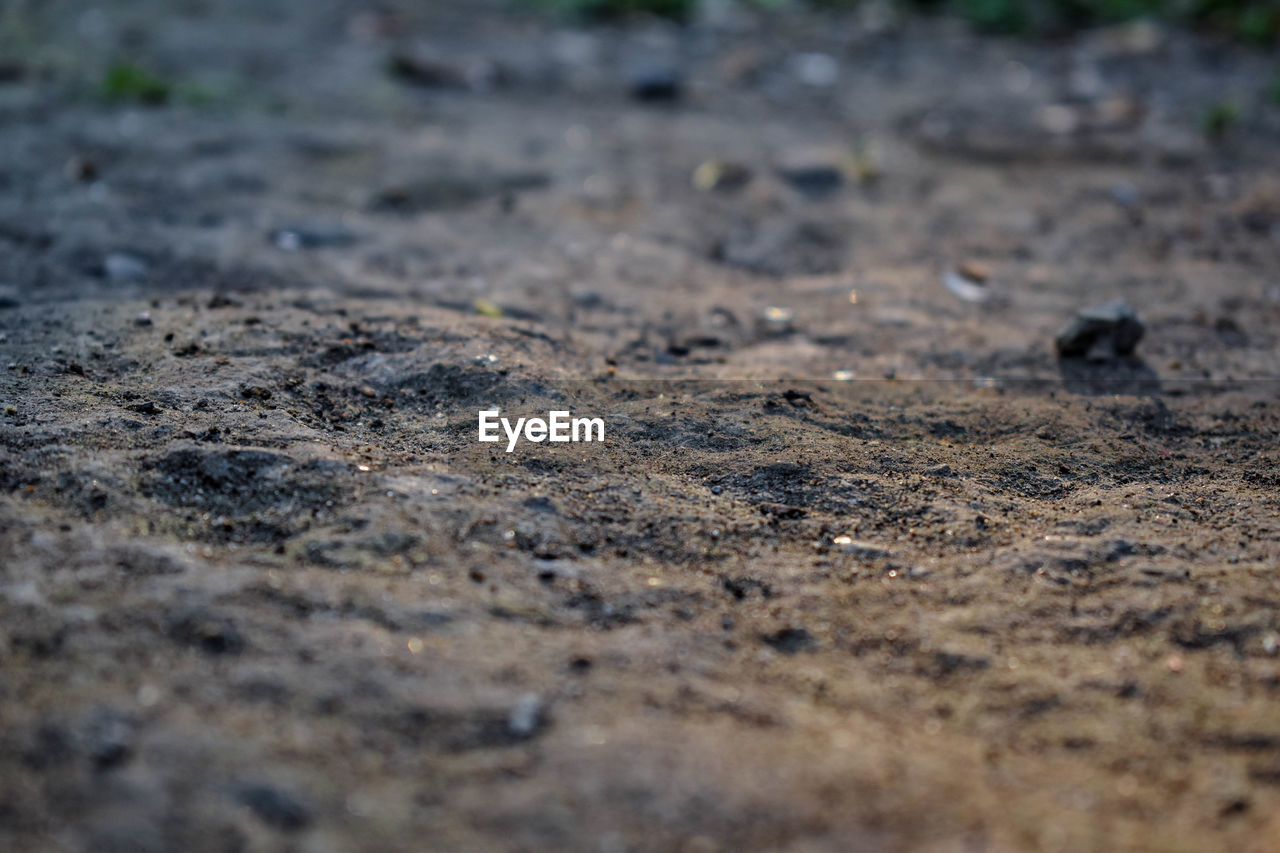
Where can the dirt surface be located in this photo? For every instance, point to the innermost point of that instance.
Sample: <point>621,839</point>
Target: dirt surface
<point>860,565</point>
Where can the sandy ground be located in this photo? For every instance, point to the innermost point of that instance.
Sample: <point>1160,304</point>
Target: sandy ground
<point>860,566</point>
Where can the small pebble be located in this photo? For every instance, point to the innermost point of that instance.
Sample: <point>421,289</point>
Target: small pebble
<point>81,169</point>
<point>966,287</point>
<point>11,70</point>
<point>655,82</point>
<point>275,807</point>
<point>721,175</point>
<point>790,641</point>
<point>298,237</point>
<point>861,549</point>
<point>122,266</point>
<point>819,70</point>
<point>1125,194</point>
<point>814,172</point>
<point>425,71</point>
<point>108,737</point>
<point>527,716</point>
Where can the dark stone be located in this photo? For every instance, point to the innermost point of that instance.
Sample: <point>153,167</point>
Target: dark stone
<point>813,179</point>
<point>108,737</point>
<point>448,191</point>
<point>789,641</point>
<point>1108,330</point>
<point>741,588</point>
<point>541,504</point>
<point>782,511</point>
<point>275,806</point>
<point>653,82</point>
<point>429,72</point>
<point>210,632</point>
<point>51,744</point>
<point>1230,333</point>
<point>222,300</point>
<point>799,399</point>
<point>426,71</point>
<point>949,663</point>
<point>11,71</point>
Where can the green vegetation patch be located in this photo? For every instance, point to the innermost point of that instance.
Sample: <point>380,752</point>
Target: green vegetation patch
<point>127,82</point>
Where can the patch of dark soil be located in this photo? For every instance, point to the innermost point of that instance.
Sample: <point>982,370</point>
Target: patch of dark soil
<point>1194,633</point>
<point>455,385</point>
<point>613,611</point>
<point>790,641</point>
<point>743,588</point>
<point>253,495</point>
<point>211,632</point>
<point>789,484</point>
<point>447,192</point>
<point>275,806</point>
<point>945,664</point>
<point>337,352</point>
<point>694,434</point>
<point>1153,417</point>
<point>465,730</point>
<point>1023,479</point>
<point>1101,379</point>
<point>852,425</point>
<point>1127,624</point>
<point>88,492</point>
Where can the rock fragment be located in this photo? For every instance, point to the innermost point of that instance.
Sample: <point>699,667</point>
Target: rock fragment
<point>790,641</point>
<point>967,284</point>
<point>813,172</point>
<point>819,70</point>
<point>212,633</point>
<point>430,72</point>
<point>108,737</point>
<point>527,716</point>
<point>1101,331</point>
<point>293,238</point>
<point>861,549</point>
<point>275,806</point>
<point>123,266</point>
<point>722,175</point>
<point>655,82</point>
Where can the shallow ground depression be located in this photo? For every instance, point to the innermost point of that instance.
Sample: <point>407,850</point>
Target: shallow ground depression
<point>860,564</point>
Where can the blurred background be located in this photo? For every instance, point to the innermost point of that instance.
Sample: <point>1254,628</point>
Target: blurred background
<point>741,187</point>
